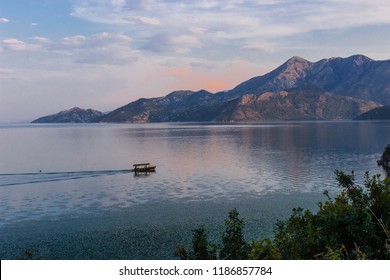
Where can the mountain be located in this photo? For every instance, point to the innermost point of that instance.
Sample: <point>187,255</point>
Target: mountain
<point>287,76</point>
<point>380,113</point>
<point>302,103</point>
<point>74,115</point>
<point>356,76</point>
<point>334,88</point>
<point>178,106</point>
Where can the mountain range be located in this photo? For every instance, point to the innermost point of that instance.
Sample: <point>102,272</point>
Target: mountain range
<point>334,88</point>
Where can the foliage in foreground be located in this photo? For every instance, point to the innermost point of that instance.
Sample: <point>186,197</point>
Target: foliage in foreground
<point>234,246</point>
<point>353,225</point>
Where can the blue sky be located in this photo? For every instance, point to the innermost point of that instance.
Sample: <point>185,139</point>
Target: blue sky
<point>101,54</point>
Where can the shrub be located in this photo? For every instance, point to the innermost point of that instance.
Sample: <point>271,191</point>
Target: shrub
<point>234,245</point>
<point>264,249</point>
<point>352,225</point>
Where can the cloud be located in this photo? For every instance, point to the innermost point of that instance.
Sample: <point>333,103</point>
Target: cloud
<point>76,40</point>
<point>101,48</point>
<point>261,46</point>
<point>42,40</point>
<point>307,16</point>
<point>141,19</point>
<point>198,74</point>
<point>6,71</point>
<point>209,23</point>
<point>12,44</point>
<point>7,74</point>
<point>170,42</point>
<point>212,44</point>
<point>116,11</point>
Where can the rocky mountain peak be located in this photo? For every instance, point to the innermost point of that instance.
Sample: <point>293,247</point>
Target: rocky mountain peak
<point>361,59</point>
<point>72,110</point>
<point>288,74</point>
<point>295,65</point>
<point>297,59</point>
<point>179,94</point>
<point>357,60</point>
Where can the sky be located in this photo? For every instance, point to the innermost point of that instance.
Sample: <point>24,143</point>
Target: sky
<point>102,54</point>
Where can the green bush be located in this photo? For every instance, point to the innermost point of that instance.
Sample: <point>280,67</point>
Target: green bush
<point>233,244</point>
<point>264,249</point>
<point>199,249</point>
<point>352,225</point>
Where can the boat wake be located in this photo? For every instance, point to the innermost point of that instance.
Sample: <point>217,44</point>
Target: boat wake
<point>14,179</point>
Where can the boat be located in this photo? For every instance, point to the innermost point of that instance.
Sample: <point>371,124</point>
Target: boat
<point>143,168</point>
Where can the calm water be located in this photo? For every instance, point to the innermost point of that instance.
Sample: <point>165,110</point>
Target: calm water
<point>69,174</point>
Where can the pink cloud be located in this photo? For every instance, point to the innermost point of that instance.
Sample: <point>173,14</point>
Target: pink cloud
<point>221,77</point>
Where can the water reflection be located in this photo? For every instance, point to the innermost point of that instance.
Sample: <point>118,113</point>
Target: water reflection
<point>196,162</point>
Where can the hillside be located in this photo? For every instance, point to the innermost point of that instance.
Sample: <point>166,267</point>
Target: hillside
<point>74,115</point>
<point>380,113</point>
<point>176,106</point>
<point>303,103</point>
<point>357,76</point>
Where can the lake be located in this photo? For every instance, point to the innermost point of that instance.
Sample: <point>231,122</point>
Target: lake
<point>67,191</point>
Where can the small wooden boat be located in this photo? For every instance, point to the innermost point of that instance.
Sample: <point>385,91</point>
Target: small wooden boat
<point>143,168</point>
